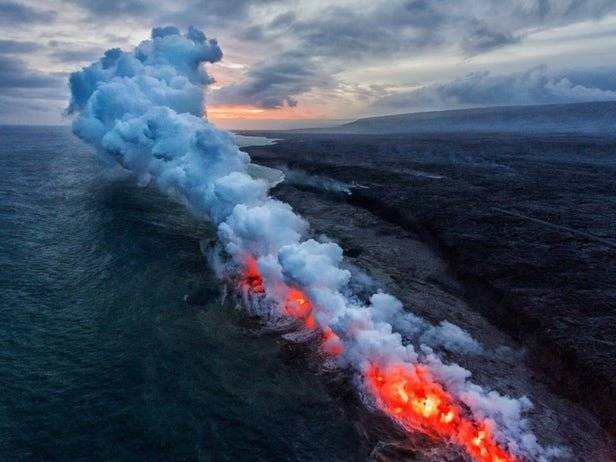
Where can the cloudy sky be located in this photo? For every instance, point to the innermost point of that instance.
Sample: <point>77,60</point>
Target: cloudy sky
<point>305,62</point>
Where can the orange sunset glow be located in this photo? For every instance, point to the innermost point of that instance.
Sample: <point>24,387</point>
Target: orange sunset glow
<point>248,112</point>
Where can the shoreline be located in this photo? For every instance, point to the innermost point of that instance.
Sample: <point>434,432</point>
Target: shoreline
<point>545,351</point>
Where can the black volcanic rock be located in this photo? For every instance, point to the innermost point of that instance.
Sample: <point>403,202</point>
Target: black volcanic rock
<point>526,225</point>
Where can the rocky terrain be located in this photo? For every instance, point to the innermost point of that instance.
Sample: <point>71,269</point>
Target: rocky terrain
<point>512,238</point>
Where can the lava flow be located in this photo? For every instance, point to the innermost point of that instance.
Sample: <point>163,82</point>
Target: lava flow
<point>408,395</point>
<point>405,392</point>
<point>296,305</point>
<point>252,279</point>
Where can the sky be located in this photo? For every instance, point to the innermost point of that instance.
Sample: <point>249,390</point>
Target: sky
<point>302,63</point>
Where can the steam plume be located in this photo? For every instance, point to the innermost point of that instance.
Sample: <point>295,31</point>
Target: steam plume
<point>144,110</point>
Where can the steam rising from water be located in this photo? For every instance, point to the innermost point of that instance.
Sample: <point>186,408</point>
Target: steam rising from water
<point>144,110</point>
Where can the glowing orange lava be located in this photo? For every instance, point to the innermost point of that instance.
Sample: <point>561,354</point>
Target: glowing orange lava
<point>297,305</point>
<point>252,278</point>
<point>332,344</point>
<point>410,397</point>
<point>406,393</point>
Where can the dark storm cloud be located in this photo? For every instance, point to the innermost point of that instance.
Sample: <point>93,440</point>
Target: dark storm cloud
<point>535,86</point>
<point>116,8</point>
<point>484,39</point>
<point>16,46</point>
<point>234,16</point>
<point>220,8</point>
<point>70,52</point>
<point>78,56</point>
<point>188,12</point>
<point>252,33</point>
<point>311,45</point>
<point>280,24</point>
<point>27,95</point>
<point>398,28</point>
<point>272,84</point>
<point>381,29</point>
<point>14,13</point>
<point>283,19</point>
<point>14,74</point>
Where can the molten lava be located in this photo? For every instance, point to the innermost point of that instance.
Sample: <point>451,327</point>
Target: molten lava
<point>406,392</point>
<point>252,279</point>
<point>332,344</point>
<point>297,305</point>
<point>409,395</point>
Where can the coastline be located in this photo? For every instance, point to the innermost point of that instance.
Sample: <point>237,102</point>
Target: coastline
<point>560,360</point>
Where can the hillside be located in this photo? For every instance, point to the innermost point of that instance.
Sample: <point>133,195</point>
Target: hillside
<point>579,118</point>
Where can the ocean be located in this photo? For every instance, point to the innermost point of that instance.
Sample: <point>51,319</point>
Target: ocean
<point>101,357</point>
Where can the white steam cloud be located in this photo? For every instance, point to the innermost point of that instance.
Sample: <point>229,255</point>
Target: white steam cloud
<point>144,110</point>
<point>299,177</point>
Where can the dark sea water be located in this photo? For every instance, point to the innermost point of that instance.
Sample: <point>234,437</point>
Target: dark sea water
<point>100,356</point>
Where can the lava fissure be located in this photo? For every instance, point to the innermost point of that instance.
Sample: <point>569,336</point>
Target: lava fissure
<point>405,392</point>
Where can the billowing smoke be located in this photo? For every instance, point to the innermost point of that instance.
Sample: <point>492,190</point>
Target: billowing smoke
<point>144,110</point>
